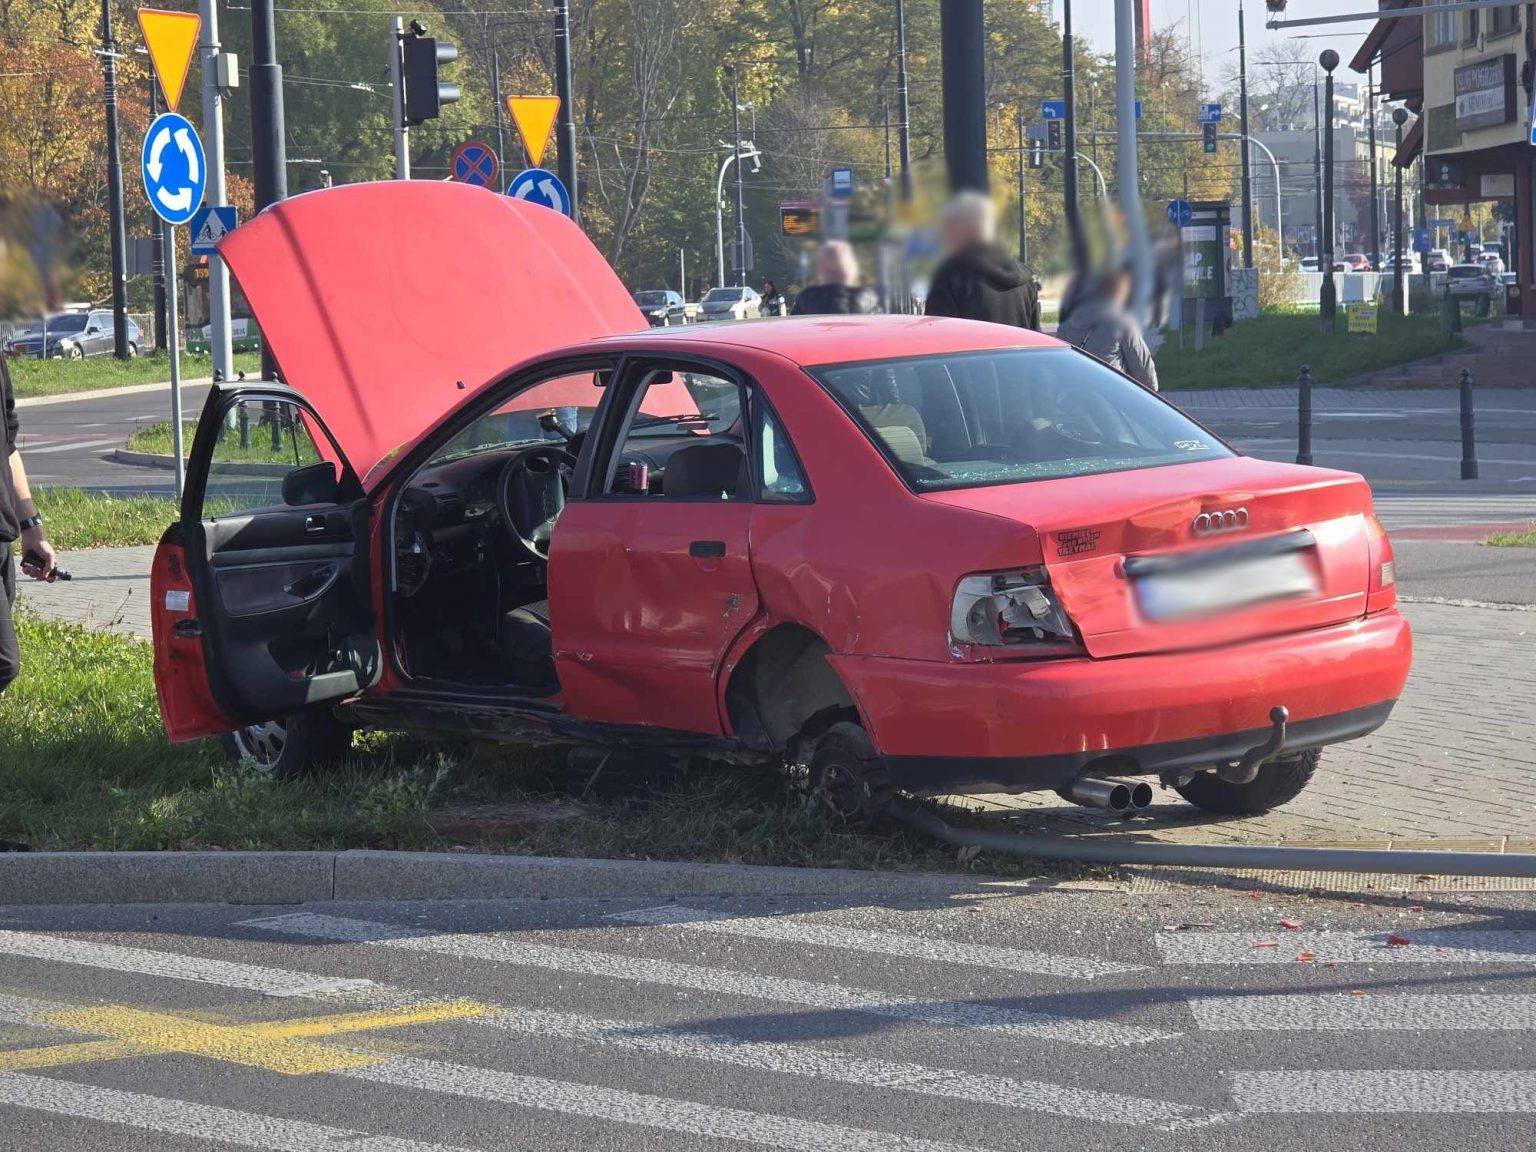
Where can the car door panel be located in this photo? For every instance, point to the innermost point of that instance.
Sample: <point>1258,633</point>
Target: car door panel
<point>276,597</point>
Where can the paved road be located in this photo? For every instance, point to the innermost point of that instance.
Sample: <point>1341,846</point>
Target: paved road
<point>1187,1021</point>
<point>70,443</point>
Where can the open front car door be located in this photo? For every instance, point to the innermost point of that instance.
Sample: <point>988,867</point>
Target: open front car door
<point>261,596</point>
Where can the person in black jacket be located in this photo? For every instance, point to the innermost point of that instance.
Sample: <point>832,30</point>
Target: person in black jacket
<point>977,280</point>
<point>837,290</point>
<point>18,519</point>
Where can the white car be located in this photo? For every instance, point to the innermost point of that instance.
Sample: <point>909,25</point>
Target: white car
<point>1491,261</point>
<point>1309,264</point>
<point>730,304</point>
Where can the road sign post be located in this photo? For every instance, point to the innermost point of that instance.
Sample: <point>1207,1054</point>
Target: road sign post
<point>173,344</point>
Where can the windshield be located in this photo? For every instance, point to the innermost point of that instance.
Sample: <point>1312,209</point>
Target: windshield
<point>716,295</point>
<point>972,419</point>
<point>650,299</point>
<point>63,322</point>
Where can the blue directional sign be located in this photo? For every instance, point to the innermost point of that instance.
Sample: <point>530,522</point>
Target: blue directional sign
<point>174,169</point>
<point>1210,114</point>
<point>1053,109</point>
<point>1138,109</point>
<point>210,224</point>
<point>1421,241</point>
<point>542,187</point>
<point>1179,213</point>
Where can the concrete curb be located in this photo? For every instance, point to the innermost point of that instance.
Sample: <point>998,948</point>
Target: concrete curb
<point>308,877</point>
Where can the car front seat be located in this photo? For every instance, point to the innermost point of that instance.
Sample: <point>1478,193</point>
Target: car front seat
<point>527,644</point>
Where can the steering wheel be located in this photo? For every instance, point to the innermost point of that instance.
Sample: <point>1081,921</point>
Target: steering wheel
<point>530,495</point>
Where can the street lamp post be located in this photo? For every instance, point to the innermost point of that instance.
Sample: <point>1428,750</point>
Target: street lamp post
<point>741,216</point>
<point>1279,222</point>
<point>1242,116</point>
<point>1328,299</point>
<point>1370,114</point>
<point>737,154</point>
<point>1399,305</point>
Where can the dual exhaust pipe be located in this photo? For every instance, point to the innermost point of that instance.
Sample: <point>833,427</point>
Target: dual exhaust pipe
<point>1110,795</point>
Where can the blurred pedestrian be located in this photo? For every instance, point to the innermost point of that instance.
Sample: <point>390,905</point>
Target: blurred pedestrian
<point>1102,326</point>
<point>837,291</point>
<point>773,303</point>
<point>977,280</point>
<point>18,520</point>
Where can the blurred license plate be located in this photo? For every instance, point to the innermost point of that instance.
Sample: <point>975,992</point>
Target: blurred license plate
<point>1221,586</point>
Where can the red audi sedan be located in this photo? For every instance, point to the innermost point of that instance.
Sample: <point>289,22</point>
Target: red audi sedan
<point>914,554</point>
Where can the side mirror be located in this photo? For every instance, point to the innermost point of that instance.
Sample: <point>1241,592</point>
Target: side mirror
<point>311,484</point>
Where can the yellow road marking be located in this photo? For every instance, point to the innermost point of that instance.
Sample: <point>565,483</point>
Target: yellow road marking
<point>273,1045</point>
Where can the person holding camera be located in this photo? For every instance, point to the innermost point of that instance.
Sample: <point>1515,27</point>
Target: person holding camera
<point>18,520</point>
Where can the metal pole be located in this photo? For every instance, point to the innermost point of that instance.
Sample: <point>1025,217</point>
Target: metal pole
<point>1125,152</point>
<point>903,110</point>
<point>720,221</point>
<point>221,342</point>
<point>741,215</point>
<point>1304,416</point>
<point>1069,142</point>
<point>501,132</point>
<point>963,57</point>
<point>174,347</point>
<point>1398,249</point>
<point>1468,429</point>
<point>268,150</point>
<point>119,234</point>
<point>1317,171</point>
<point>1018,118</point>
<point>397,88</point>
<point>159,244</point>
<point>1275,165</point>
<point>1370,127</point>
<point>1242,118</point>
<point>565,124</point>
<point>682,276</point>
<point>1327,302</point>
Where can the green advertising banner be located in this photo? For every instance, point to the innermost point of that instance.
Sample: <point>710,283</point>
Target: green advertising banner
<point>1202,257</point>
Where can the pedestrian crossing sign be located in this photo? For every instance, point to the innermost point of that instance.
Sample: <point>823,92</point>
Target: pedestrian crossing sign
<point>171,38</point>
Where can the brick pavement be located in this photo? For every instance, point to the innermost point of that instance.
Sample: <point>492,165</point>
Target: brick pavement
<point>1456,761</point>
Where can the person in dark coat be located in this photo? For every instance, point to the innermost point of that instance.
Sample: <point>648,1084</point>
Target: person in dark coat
<point>837,291</point>
<point>19,520</point>
<point>977,280</point>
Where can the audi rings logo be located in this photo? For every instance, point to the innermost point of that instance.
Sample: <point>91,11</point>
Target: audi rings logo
<point>1214,523</point>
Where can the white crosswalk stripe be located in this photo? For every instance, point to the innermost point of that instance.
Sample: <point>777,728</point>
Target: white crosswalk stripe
<point>809,994</point>
<point>1429,946</point>
<point>1406,511</point>
<point>1404,1090</point>
<point>216,1126</point>
<point>145,962</point>
<point>1345,1011</point>
<point>796,931</point>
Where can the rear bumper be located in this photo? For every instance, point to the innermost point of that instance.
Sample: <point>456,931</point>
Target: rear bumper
<point>1031,726</point>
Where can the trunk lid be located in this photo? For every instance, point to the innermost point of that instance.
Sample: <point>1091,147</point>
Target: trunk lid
<point>388,303</point>
<point>1283,548</point>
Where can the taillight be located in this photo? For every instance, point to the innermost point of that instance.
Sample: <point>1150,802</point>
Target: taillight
<point>1014,610</point>
<point>1381,583</point>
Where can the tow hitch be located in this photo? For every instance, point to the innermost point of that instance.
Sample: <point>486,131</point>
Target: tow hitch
<point>1256,757</point>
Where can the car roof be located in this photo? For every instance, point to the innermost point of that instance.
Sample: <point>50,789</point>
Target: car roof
<point>813,340</point>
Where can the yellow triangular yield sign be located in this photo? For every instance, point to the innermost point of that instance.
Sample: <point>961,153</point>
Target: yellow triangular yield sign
<point>171,38</point>
<point>534,117</point>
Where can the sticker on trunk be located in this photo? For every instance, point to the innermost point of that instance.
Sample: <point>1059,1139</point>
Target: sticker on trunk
<point>1075,540</point>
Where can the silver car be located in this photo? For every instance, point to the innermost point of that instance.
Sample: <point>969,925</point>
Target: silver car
<point>72,336</point>
<point>1470,281</point>
<point>730,304</point>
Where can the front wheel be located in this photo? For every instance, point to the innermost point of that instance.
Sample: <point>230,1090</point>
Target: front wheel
<point>1278,782</point>
<point>288,749</point>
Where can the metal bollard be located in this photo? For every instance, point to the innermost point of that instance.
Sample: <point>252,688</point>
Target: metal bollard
<point>1304,416</point>
<point>1468,428</point>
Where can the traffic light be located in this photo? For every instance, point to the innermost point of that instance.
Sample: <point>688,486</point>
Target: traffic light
<point>1053,135</point>
<point>1208,136</point>
<point>421,57</point>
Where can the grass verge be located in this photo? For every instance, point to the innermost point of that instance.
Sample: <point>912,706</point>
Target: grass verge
<point>1523,539</point>
<point>77,519</point>
<point>156,438</point>
<point>86,766</point>
<point>58,377</point>
<point>1272,348</point>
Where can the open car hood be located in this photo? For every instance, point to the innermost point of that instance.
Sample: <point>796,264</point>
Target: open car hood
<point>388,303</point>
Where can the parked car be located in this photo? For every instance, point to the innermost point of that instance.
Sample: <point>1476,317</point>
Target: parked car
<point>1472,281</point>
<point>1310,264</point>
<point>1491,260</point>
<point>73,336</point>
<point>1356,262</point>
<point>1435,260</point>
<point>913,553</point>
<point>730,304</point>
<point>1393,260</point>
<point>663,307</point>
